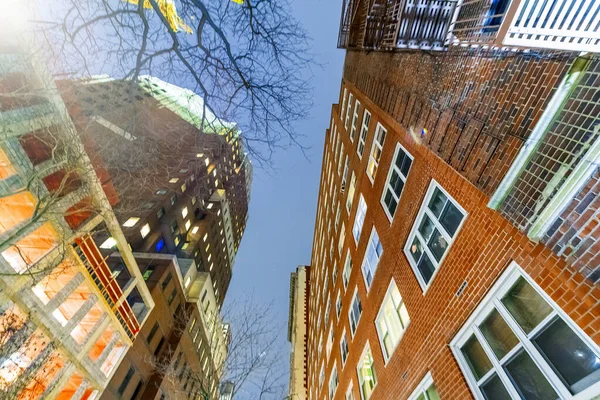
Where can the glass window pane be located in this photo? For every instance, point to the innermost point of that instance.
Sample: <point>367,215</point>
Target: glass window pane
<point>526,305</point>
<point>436,204</point>
<point>390,202</point>
<point>451,218</point>
<point>406,166</point>
<point>437,244</point>
<point>416,249</point>
<point>571,358</point>
<point>528,379</point>
<point>398,186</point>
<point>425,266</point>
<point>498,334</point>
<point>476,358</point>
<point>432,393</point>
<point>426,228</point>
<point>494,389</point>
<point>400,158</point>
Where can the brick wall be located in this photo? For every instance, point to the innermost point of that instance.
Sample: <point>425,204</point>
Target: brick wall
<point>482,250</point>
<point>479,107</point>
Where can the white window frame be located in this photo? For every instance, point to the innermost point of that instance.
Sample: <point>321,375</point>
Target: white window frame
<point>425,384</point>
<point>387,186</point>
<point>359,219</point>
<point>333,390</point>
<point>365,263</point>
<point>351,193</point>
<point>322,375</point>
<point>338,304</point>
<point>342,238</point>
<point>350,391</point>
<point>340,159</point>
<point>347,267</point>
<point>364,131</point>
<point>493,300</point>
<point>374,145</point>
<point>357,322</point>
<point>450,240</point>
<point>354,120</point>
<point>348,110</point>
<point>330,341</point>
<point>344,338</point>
<point>380,335</point>
<point>345,175</point>
<point>359,365</point>
<point>343,103</point>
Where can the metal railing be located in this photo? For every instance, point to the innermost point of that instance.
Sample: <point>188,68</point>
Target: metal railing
<point>99,271</point>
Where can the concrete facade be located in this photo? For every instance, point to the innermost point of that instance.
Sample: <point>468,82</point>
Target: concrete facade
<point>297,332</point>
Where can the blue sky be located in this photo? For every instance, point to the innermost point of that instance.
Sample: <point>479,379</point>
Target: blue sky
<point>281,220</point>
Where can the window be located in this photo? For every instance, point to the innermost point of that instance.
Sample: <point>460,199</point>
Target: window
<point>338,305</point>
<point>341,158</point>
<point>333,382</point>
<point>131,222</point>
<point>391,321</point>
<point>184,212</point>
<point>161,192</point>
<point>171,297</point>
<point>148,272</point>
<point>518,343</point>
<point>371,259</point>
<point>426,390</point>
<point>395,181</point>
<point>350,392</point>
<point>152,332</point>
<point>359,219</point>
<point>164,284</point>
<point>354,312</point>
<point>344,347</point>
<point>173,180</point>
<point>145,230</point>
<point>343,103</point>
<point>348,110</point>
<point>329,344</point>
<point>160,212</point>
<point>354,120</point>
<point>376,150</point>
<point>108,243</point>
<point>351,189</point>
<point>435,228</point>
<point>188,225</point>
<point>366,373</point>
<point>322,375</point>
<point>173,199</point>
<point>364,130</point>
<point>125,382</point>
<point>347,270</point>
<point>345,175</point>
<point>342,238</point>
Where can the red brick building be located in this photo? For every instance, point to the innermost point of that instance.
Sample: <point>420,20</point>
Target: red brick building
<point>410,237</point>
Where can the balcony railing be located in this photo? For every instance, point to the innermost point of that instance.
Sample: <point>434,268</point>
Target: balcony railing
<point>99,271</point>
<point>435,24</point>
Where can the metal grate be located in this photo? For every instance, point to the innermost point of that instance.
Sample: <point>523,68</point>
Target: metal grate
<point>562,149</point>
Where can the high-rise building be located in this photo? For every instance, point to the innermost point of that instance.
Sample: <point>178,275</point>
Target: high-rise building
<point>297,331</point>
<point>65,321</point>
<point>182,347</point>
<point>456,252</point>
<point>180,176</point>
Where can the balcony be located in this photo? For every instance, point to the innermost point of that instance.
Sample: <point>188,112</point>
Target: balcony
<point>109,286</point>
<point>572,25</point>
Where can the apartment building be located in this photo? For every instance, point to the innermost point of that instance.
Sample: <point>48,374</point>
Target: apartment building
<point>181,349</point>
<point>65,324</point>
<point>297,331</point>
<point>455,248</point>
<point>181,178</point>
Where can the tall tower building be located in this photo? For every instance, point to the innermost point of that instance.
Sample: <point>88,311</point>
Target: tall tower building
<point>180,176</point>
<point>456,252</point>
<point>297,331</point>
<point>65,320</point>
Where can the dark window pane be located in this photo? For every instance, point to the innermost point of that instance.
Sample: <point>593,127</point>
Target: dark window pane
<point>426,268</point>
<point>528,379</point>
<point>416,249</point>
<point>451,218</point>
<point>406,166</point>
<point>400,158</point>
<point>426,228</point>
<point>571,358</point>
<point>494,389</point>
<point>498,334</point>
<point>437,244</point>
<point>476,358</point>
<point>390,203</point>
<point>398,186</point>
<point>526,305</point>
<point>436,204</point>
